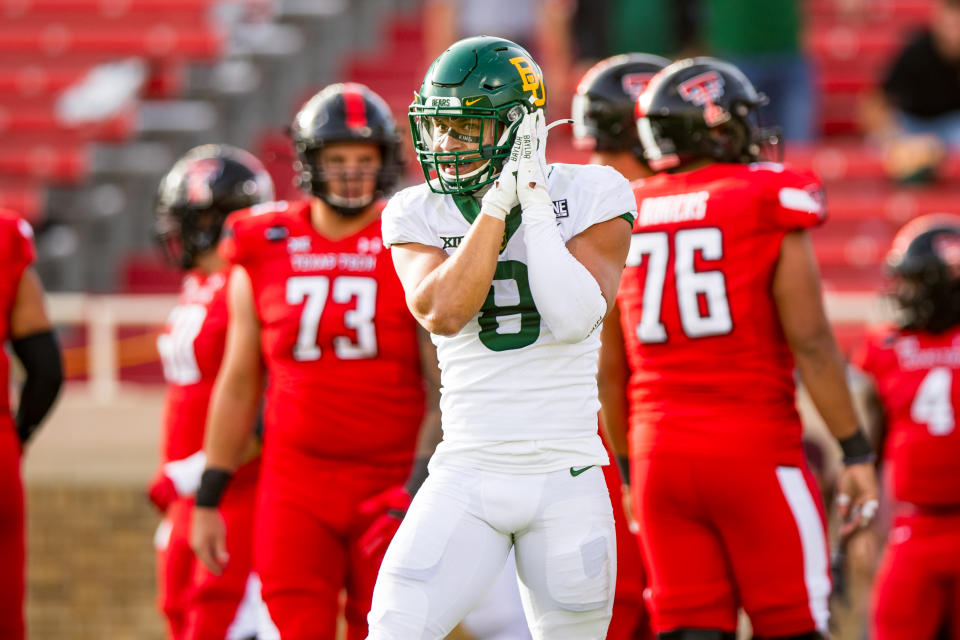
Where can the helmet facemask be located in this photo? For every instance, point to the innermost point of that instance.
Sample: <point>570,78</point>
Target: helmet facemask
<point>345,113</point>
<point>352,196</point>
<point>347,190</point>
<point>184,233</point>
<point>483,138</point>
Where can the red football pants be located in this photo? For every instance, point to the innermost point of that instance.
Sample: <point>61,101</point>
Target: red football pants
<point>175,567</point>
<point>917,588</point>
<point>12,546</point>
<point>199,605</point>
<point>213,600</point>
<point>719,534</point>
<point>307,549</point>
<point>630,620</point>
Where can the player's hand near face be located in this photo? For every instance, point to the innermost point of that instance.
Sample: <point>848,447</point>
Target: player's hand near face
<point>532,169</point>
<point>501,197</point>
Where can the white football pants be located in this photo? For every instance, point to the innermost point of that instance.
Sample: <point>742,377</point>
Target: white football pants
<point>499,616</point>
<point>454,540</point>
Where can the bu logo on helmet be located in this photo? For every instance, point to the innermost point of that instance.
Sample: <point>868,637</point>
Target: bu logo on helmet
<point>532,81</point>
<point>702,90</point>
<point>633,84</point>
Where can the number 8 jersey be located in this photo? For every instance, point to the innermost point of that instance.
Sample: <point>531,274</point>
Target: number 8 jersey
<point>339,344</point>
<point>512,395</point>
<point>700,325</point>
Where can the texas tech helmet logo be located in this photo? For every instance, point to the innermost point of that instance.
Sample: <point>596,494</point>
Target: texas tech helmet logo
<point>633,84</point>
<point>703,90</point>
<point>200,173</point>
<point>947,247</point>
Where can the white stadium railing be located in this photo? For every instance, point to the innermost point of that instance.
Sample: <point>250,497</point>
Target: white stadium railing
<point>102,315</point>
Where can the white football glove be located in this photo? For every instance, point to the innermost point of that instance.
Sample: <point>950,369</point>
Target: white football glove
<point>532,168</point>
<point>501,197</point>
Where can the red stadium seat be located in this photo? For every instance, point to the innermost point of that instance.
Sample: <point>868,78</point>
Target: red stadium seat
<point>24,124</point>
<point>55,163</point>
<point>34,13</point>
<point>27,198</point>
<point>159,40</point>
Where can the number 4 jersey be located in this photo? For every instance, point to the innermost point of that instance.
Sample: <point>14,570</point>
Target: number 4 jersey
<point>339,344</point>
<point>711,372</point>
<point>513,396</point>
<point>917,377</point>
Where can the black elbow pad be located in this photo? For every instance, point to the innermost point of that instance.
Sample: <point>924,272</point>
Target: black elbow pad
<point>40,355</point>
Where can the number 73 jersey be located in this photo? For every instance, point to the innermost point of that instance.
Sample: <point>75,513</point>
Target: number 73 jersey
<point>339,344</point>
<point>708,359</point>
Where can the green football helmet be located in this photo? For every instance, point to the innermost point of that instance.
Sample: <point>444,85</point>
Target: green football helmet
<point>469,106</point>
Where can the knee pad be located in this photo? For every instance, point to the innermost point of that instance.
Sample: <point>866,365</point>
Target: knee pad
<point>571,625</point>
<point>697,634</point>
<point>581,567</point>
<point>399,610</point>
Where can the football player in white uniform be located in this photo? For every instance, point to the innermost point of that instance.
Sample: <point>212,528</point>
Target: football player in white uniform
<point>511,264</point>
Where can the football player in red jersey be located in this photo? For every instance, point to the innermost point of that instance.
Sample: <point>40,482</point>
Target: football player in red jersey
<point>193,200</point>
<point>603,124</point>
<point>915,369</point>
<point>314,300</point>
<point>719,300</point>
<point>25,324</point>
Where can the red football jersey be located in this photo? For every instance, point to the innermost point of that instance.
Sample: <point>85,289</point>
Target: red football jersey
<point>16,254</point>
<point>339,344</point>
<point>711,372</point>
<point>917,377</point>
<point>191,348</point>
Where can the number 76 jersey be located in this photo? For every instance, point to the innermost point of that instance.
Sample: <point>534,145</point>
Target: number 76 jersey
<point>339,344</point>
<point>708,359</point>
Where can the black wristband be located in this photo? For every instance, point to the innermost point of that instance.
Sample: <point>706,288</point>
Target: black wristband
<point>417,476</point>
<point>857,449</point>
<point>623,462</point>
<point>213,483</point>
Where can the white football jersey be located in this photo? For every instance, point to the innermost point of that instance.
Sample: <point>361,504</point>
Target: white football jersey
<point>513,397</point>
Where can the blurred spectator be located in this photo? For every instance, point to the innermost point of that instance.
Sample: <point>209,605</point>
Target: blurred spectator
<point>600,29</point>
<point>762,38</point>
<point>609,27</point>
<point>542,27</point>
<point>916,111</point>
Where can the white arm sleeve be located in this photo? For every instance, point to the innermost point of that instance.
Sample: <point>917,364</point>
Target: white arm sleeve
<point>566,294</point>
